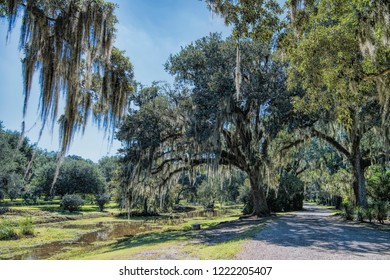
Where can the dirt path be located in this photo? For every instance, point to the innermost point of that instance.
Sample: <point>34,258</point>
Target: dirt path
<point>315,234</point>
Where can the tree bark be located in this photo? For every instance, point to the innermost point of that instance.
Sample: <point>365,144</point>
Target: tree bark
<point>260,206</point>
<point>359,182</point>
<point>146,206</point>
<point>177,199</point>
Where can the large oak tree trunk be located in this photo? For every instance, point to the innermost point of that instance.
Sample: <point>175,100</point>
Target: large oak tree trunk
<point>359,182</point>
<point>260,206</point>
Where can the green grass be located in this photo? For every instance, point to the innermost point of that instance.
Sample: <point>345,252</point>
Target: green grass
<point>334,212</point>
<point>224,250</point>
<point>55,208</point>
<point>328,207</point>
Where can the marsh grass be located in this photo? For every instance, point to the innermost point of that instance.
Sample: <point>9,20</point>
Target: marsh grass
<point>26,226</point>
<point>7,230</point>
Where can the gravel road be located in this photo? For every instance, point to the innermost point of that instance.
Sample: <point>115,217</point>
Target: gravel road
<point>314,234</point>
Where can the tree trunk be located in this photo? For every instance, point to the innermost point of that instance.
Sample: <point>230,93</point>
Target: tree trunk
<point>260,206</point>
<point>177,199</point>
<point>359,182</point>
<point>146,206</point>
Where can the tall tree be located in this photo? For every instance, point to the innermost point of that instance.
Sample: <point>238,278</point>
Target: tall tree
<point>13,161</point>
<point>338,52</point>
<point>77,176</point>
<point>204,122</point>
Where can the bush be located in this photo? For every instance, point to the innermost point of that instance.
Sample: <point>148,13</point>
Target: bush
<point>381,211</point>
<point>360,213</point>
<point>378,184</point>
<point>102,199</point>
<point>71,202</point>
<point>31,195</point>
<point>4,210</point>
<point>348,211</point>
<point>7,230</point>
<point>26,226</point>
<point>369,213</point>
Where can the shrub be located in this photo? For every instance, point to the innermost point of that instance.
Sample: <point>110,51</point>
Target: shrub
<point>348,211</point>
<point>26,226</point>
<point>102,199</point>
<point>89,199</point>
<point>31,194</point>
<point>380,211</point>
<point>7,230</point>
<point>4,210</point>
<point>360,213</point>
<point>378,184</point>
<point>369,213</point>
<point>71,202</point>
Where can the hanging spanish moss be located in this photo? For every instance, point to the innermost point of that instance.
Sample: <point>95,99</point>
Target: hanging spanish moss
<point>70,44</point>
<point>374,27</point>
<point>238,78</point>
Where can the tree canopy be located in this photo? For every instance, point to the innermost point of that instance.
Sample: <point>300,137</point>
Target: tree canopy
<point>77,176</point>
<point>202,122</point>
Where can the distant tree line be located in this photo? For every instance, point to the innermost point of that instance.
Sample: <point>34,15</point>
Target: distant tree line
<point>27,172</point>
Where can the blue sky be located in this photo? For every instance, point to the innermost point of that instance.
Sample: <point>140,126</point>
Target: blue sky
<point>149,31</point>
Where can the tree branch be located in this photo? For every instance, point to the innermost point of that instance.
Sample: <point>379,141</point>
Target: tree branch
<point>331,141</point>
<point>292,144</point>
<point>238,157</point>
<point>297,173</point>
<point>36,9</point>
<point>375,75</point>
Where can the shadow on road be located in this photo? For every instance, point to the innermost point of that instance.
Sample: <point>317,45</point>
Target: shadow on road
<point>315,227</point>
